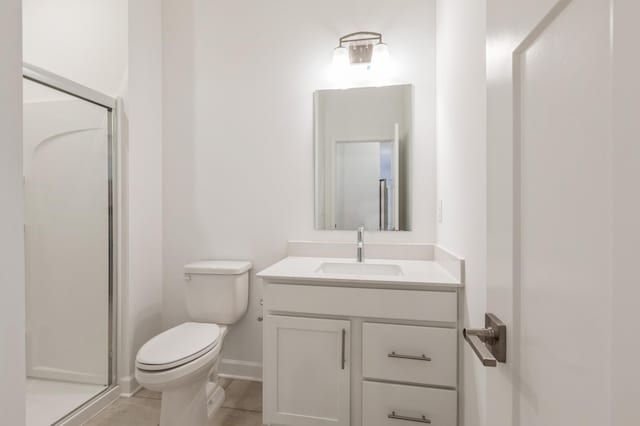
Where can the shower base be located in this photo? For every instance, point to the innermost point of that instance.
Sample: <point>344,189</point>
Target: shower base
<point>48,400</point>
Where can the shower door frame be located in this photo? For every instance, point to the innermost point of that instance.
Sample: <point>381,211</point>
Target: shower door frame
<point>61,84</point>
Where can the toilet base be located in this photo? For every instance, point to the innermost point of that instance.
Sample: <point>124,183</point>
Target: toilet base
<point>185,406</point>
<point>191,405</point>
<point>216,398</point>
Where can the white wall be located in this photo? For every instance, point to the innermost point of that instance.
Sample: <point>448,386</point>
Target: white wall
<point>461,135</point>
<point>84,41</point>
<point>12,312</point>
<point>626,211</point>
<point>142,161</point>
<point>238,129</point>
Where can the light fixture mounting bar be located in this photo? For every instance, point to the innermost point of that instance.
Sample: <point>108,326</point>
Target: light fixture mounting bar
<point>360,36</point>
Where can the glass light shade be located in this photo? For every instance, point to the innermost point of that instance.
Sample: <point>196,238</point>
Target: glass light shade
<point>340,58</point>
<point>380,57</point>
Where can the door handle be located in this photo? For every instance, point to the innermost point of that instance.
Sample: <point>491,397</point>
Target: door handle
<point>489,343</point>
<point>343,357</point>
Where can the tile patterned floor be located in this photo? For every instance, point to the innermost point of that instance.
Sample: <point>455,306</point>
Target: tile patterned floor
<point>242,407</point>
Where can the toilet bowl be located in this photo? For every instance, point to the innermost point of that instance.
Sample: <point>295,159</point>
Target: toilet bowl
<point>182,362</point>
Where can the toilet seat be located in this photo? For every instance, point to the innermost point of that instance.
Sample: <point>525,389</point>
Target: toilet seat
<point>178,346</point>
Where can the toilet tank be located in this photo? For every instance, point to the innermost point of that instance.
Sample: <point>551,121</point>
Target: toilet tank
<point>217,290</point>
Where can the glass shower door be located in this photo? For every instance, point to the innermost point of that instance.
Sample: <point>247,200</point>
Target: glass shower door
<point>68,236</point>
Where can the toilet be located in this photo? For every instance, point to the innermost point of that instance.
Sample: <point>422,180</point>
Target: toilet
<point>183,361</point>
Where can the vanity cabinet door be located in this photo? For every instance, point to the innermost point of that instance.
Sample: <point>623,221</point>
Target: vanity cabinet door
<point>306,371</point>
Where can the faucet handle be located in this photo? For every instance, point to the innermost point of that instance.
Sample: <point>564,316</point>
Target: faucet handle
<point>360,232</point>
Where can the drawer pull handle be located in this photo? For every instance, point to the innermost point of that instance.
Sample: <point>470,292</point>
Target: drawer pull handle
<point>422,357</point>
<point>422,419</point>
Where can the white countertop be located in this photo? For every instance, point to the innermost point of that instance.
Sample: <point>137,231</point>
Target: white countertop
<point>415,273</point>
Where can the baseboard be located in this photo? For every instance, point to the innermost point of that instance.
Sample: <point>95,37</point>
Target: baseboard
<point>242,370</point>
<point>128,386</point>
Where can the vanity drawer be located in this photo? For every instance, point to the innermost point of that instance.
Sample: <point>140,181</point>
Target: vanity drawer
<point>385,404</point>
<point>416,305</point>
<point>389,352</point>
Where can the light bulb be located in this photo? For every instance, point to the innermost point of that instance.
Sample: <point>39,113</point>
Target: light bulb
<point>380,57</point>
<point>340,66</point>
<point>340,58</point>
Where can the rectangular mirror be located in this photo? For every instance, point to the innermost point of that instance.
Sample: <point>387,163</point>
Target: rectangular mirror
<point>362,146</point>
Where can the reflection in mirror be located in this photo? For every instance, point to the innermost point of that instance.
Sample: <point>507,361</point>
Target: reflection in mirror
<point>362,147</point>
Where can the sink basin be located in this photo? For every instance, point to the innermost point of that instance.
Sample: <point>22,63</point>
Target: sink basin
<point>359,269</point>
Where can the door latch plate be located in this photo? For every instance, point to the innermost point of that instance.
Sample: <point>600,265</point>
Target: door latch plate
<point>497,345</point>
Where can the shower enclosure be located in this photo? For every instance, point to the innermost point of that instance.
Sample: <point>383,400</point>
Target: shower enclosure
<point>69,170</point>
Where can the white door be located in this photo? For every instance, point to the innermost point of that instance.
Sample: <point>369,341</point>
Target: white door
<point>549,210</point>
<point>357,175</point>
<point>306,374</point>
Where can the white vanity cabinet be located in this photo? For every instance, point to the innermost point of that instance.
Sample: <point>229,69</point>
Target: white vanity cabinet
<point>307,380</point>
<point>360,351</point>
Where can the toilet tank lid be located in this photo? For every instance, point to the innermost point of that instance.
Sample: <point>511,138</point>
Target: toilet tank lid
<point>217,267</point>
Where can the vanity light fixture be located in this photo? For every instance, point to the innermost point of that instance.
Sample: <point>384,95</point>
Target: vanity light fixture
<point>361,48</point>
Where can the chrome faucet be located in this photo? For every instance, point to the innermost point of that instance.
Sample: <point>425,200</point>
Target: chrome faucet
<point>360,245</point>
